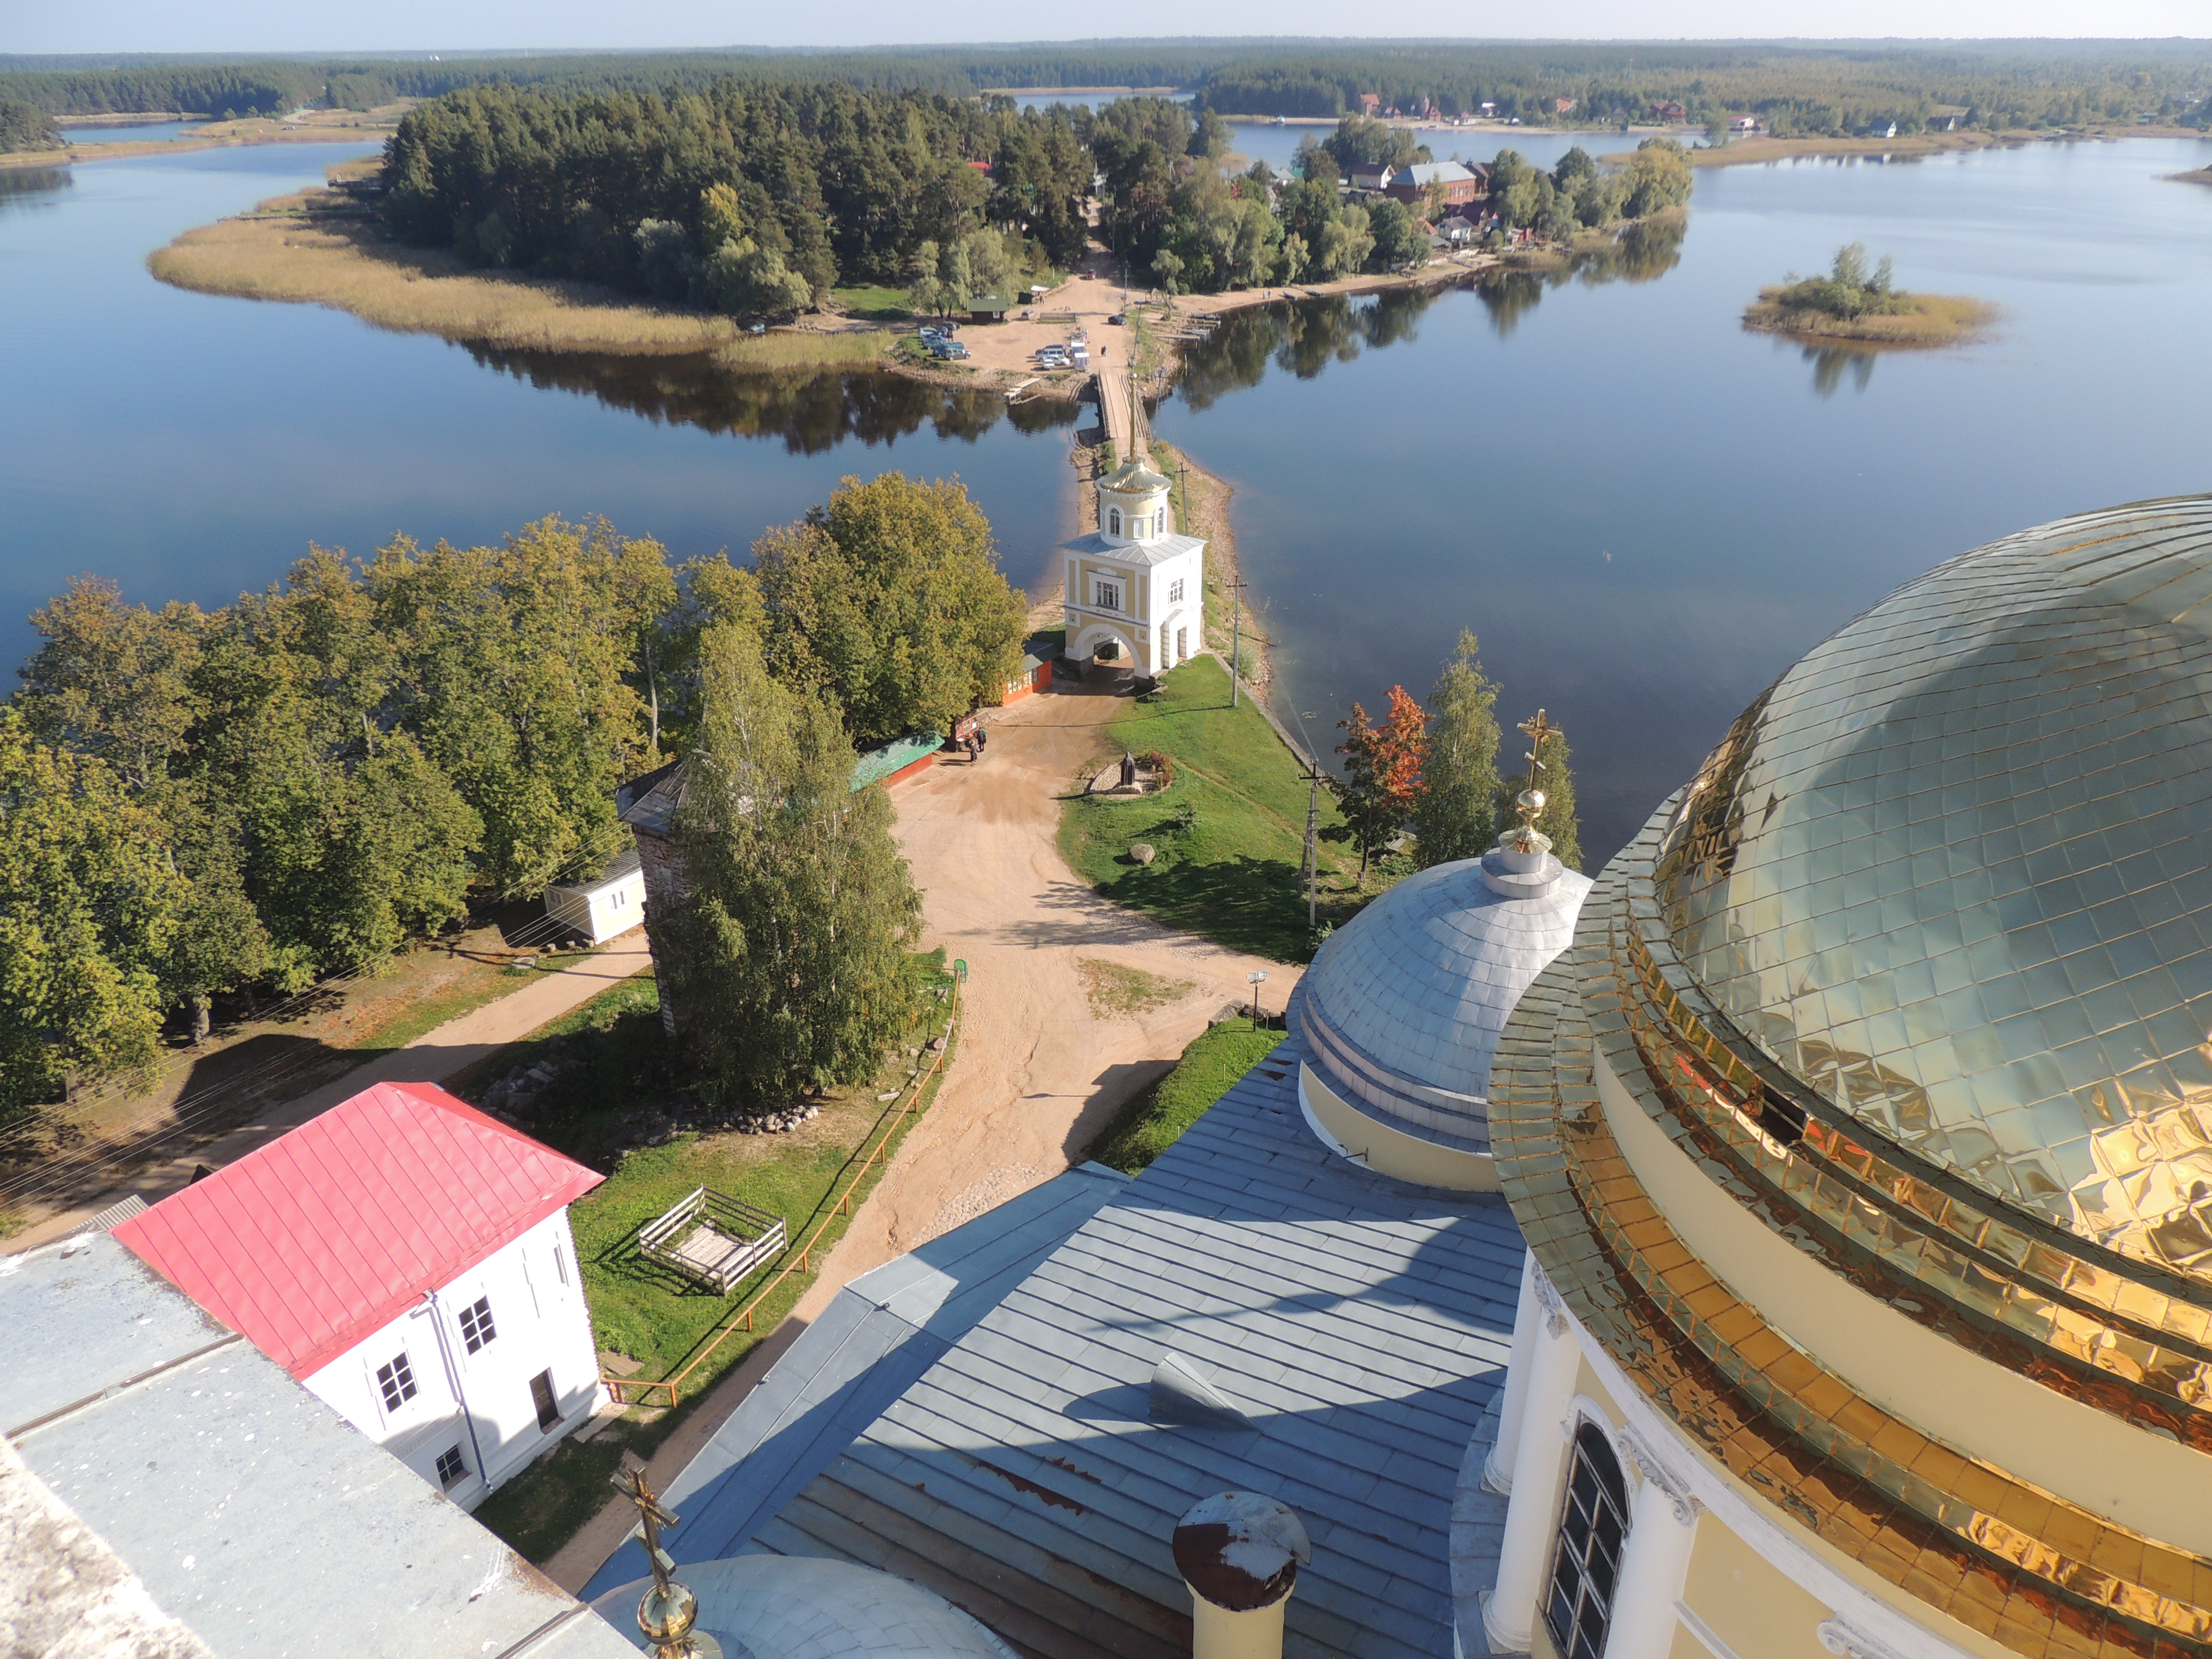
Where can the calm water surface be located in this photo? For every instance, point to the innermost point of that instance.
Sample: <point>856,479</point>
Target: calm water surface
<point>1644,513</point>
<point>82,135</point>
<point>190,446</point>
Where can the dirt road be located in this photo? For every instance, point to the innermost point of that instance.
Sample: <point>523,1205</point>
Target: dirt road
<point>435,1057</point>
<point>1038,1073</point>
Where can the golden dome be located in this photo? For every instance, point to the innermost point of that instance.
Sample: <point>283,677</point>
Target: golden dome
<point>1953,872</point>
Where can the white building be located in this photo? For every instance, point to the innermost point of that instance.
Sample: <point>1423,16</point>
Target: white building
<point>1134,580</point>
<point>408,1259</point>
<point>602,905</point>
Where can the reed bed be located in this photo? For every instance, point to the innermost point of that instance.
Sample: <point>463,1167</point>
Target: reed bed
<point>1934,319</point>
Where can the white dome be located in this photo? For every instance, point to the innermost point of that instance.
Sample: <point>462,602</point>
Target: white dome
<point>1403,1006</point>
<point>795,1607</point>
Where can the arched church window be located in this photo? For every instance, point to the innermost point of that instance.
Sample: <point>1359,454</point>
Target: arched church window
<point>1592,1526</point>
<point>1114,521</point>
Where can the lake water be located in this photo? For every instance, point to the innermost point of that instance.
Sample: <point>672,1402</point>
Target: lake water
<point>191,446</point>
<point>1644,513</point>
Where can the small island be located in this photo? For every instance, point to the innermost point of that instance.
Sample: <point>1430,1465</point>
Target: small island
<point>1854,303</point>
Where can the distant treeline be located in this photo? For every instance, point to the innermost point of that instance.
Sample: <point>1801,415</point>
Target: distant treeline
<point>750,195</point>
<point>193,803</point>
<point>1811,89</point>
<point>1829,87</point>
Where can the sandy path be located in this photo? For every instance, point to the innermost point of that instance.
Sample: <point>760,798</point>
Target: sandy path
<point>1037,1075</point>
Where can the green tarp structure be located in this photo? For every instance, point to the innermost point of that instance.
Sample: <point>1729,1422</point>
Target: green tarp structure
<point>877,764</point>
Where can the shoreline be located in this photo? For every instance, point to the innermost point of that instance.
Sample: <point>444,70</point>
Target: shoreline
<point>336,127</point>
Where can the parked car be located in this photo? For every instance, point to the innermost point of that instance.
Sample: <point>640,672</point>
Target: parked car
<point>1117,320</point>
<point>954,349</point>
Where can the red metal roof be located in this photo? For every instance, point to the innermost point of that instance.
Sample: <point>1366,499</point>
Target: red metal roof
<point>332,1231</point>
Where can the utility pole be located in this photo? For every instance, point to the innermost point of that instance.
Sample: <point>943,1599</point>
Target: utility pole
<point>1313,838</point>
<point>1183,477</point>
<point>1236,638</point>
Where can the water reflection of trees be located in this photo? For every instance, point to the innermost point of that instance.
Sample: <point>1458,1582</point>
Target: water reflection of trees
<point>1303,337</point>
<point>1642,253</point>
<point>812,411</point>
<point>1300,338</point>
<point>1831,363</point>
<point>22,187</point>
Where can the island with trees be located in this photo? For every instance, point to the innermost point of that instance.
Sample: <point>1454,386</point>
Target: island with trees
<point>1855,302</point>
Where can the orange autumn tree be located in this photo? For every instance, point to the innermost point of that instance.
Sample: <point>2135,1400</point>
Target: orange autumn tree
<point>1381,770</point>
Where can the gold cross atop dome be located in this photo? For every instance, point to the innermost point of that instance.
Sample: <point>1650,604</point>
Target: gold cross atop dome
<point>1530,801</point>
<point>667,1613</point>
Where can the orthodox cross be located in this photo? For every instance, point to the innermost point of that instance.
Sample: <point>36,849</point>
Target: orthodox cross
<point>652,1516</point>
<point>1539,730</point>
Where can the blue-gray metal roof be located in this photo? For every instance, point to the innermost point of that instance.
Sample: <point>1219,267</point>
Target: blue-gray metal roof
<point>1362,1325</point>
<point>249,1509</point>
<point>879,1334</point>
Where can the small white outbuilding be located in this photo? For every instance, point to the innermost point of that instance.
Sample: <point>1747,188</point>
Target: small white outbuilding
<point>610,902</point>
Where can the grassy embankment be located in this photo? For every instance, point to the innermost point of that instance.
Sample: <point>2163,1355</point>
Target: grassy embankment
<point>1927,319</point>
<point>1157,1116</point>
<point>321,248</point>
<point>1228,833</point>
<point>637,1310</point>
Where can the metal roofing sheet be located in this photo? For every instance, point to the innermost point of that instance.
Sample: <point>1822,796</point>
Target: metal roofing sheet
<point>248,1508</point>
<point>1362,1325</point>
<point>879,1334</point>
<point>326,1235</point>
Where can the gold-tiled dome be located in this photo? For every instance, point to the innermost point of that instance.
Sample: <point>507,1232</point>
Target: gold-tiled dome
<point>1953,872</point>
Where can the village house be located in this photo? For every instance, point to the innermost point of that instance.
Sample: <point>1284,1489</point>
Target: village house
<point>1373,175</point>
<point>1667,110</point>
<point>1563,107</point>
<point>1462,185</point>
<point>1742,126</point>
<point>407,1259</point>
<point>1370,103</point>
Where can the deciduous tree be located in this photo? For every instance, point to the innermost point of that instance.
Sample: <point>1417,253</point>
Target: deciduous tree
<point>1453,813</point>
<point>786,951</point>
<point>889,597</point>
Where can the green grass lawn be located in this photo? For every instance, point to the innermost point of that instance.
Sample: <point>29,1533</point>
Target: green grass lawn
<point>642,1310</point>
<point>876,303</point>
<point>1209,1068</point>
<point>1229,833</point>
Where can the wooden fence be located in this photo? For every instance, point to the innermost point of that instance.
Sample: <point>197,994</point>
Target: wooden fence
<point>628,1391</point>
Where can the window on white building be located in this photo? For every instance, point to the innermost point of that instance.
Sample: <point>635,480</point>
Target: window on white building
<point>1109,595</point>
<point>477,1328</point>
<point>541,1396</point>
<point>1114,521</point>
<point>561,1263</point>
<point>1175,591</point>
<point>397,1382</point>
<point>1587,1566</point>
<point>452,1466</point>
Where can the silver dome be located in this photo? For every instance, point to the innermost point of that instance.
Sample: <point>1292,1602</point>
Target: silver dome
<point>1404,1005</point>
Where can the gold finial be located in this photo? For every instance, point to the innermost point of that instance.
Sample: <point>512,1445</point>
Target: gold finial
<point>1530,801</point>
<point>667,1613</point>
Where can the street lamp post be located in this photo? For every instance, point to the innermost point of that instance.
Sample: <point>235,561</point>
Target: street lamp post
<point>1255,980</point>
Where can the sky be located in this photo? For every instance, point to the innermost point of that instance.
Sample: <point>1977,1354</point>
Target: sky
<point>244,26</point>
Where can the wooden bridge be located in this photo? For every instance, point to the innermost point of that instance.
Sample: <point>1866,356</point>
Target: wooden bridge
<point>1115,413</point>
